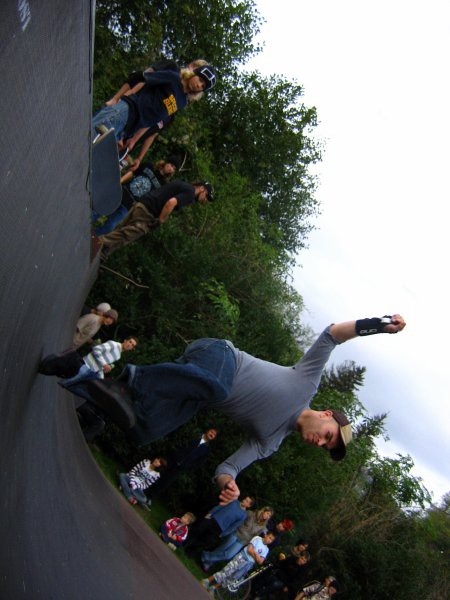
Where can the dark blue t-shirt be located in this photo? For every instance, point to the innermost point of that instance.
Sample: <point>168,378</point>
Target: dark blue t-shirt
<point>161,97</point>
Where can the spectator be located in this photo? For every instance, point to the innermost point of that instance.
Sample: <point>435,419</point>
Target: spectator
<point>281,530</point>
<point>219,522</point>
<point>185,458</point>
<point>288,575</point>
<point>254,524</point>
<point>153,209</point>
<point>141,477</point>
<point>88,326</point>
<point>254,553</point>
<point>71,366</point>
<point>101,360</point>
<point>320,591</point>
<point>174,532</point>
<point>146,178</point>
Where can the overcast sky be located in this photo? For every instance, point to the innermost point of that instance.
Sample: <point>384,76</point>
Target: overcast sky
<point>377,72</point>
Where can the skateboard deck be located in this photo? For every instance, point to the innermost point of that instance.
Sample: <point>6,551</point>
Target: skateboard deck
<point>106,190</point>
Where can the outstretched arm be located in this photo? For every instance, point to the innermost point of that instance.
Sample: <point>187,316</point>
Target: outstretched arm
<point>342,332</point>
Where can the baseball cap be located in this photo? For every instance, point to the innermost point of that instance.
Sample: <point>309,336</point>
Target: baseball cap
<point>208,74</point>
<point>175,160</point>
<point>288,524</point>
<point>208,187</point>
<point>345,431</point>
<point>112,314</point>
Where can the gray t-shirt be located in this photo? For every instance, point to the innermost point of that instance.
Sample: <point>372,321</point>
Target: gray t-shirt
<point>267,399</point>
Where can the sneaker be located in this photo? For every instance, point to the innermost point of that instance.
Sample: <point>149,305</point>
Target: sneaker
<point>132,501</point>
<point>205,566</point>
<point>171,546</point>
<point>206,584</point>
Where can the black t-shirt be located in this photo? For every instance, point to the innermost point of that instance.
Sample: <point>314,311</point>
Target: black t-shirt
<point>138,77</point>
<point>155,200</point>
<point>292,574</point>
<point>146,179</point>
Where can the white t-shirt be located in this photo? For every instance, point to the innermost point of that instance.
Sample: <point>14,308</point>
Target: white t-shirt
<point>259,546</point>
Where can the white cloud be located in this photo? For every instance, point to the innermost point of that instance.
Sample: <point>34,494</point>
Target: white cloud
<point>377,73</point>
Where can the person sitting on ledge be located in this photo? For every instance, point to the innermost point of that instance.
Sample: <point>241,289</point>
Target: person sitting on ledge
<point>93,365</point>
<point>135,185</point>
<point>153,209</point>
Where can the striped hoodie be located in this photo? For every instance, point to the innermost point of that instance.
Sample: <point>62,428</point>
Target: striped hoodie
<point>101,355</point>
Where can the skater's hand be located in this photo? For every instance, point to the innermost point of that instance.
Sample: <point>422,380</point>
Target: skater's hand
<point>111,102</point>
<point>107,368</point>
<point>230,492</point>
<point>396,325</point>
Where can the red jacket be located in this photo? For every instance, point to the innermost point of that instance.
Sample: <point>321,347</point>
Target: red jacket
<point>176,528</point>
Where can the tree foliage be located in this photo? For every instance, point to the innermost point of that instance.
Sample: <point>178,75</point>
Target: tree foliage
<point>223,270</point>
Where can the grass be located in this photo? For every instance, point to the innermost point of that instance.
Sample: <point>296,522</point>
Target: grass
<point>154,518</point>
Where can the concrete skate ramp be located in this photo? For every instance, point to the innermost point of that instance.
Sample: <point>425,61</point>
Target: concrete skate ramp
<point>65,532</point>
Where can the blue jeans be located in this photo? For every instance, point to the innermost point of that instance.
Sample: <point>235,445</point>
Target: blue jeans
<point>165,538</point>
<point>84,374</point>
<point>115,117</point>
<point>229,548</point>
<point>169,394</point>
<point>112,221</point>
<point>128,492</point>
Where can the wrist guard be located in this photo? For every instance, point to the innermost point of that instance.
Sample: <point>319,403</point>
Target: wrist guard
<point>372,326</point>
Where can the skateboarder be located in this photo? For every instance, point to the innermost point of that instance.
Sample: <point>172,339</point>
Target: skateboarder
<point>270,401</point>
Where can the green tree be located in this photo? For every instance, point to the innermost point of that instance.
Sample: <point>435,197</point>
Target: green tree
<point>131,34</point>
<point>260,129</point>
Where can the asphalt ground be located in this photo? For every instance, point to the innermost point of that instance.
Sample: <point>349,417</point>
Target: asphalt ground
<point>65,532</point>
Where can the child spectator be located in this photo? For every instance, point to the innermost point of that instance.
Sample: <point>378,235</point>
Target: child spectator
<point>319,591</point>
<point>254,553</point>
<point>141,477</point>
<point>174,532</point>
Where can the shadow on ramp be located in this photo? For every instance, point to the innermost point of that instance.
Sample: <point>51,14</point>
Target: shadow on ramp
<point>65,532</point>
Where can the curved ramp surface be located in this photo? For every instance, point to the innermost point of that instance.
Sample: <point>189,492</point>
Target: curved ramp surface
<point>65,532</point>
